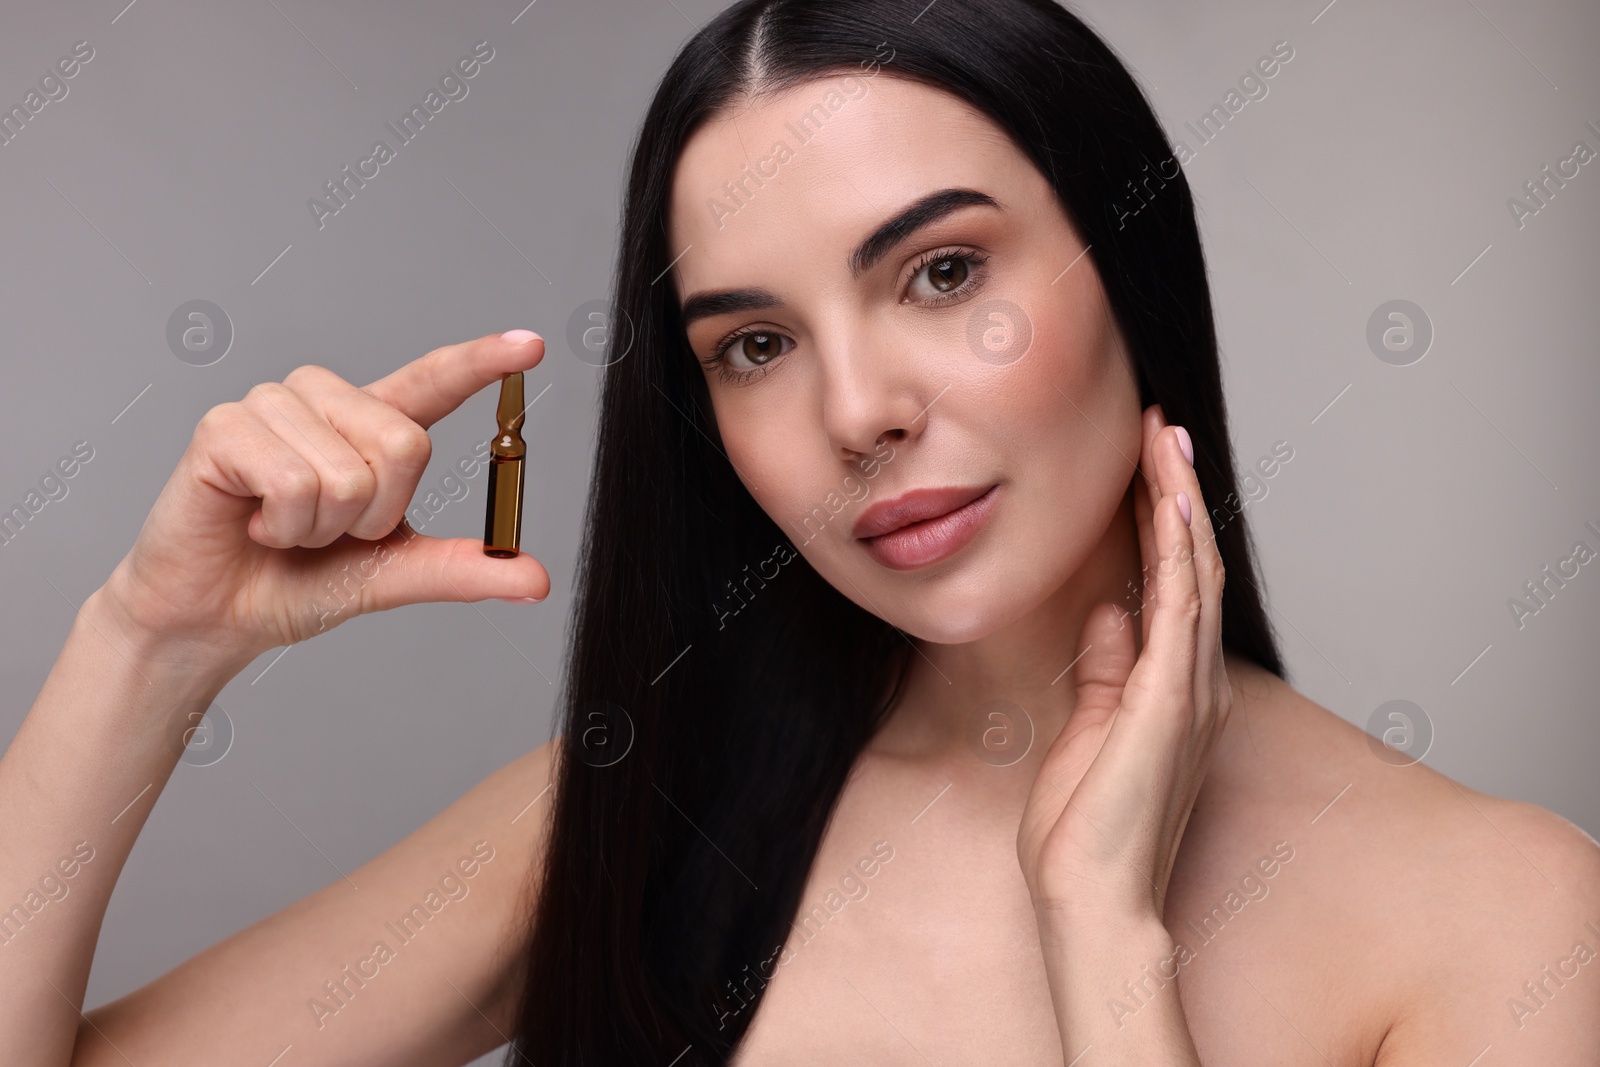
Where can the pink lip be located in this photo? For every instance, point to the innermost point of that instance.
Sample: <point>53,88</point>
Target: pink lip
<point>924,525</point>
<point>914,506</point>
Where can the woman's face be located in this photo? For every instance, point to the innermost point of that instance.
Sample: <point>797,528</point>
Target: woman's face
<point>967,347</point>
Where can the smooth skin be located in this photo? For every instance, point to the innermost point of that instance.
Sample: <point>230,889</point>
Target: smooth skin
<point>1021,900</point>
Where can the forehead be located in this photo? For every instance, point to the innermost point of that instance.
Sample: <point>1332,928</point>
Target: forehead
<point>808,172</point>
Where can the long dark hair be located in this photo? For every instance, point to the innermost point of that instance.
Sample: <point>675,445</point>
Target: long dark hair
<point>719,690</point>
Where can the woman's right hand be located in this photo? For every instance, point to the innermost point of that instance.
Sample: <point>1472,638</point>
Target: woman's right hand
<point>284,515</point>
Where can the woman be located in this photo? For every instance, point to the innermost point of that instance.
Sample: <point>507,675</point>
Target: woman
<point>909,717</point>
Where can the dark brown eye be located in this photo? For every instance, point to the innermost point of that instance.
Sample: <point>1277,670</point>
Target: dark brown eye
<point>757,347</point>
<point>947,274</point>
<point>747,354</point>
<point>944,276</point>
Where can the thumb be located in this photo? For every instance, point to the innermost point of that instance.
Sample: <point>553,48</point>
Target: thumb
<point>406,567</point>
<point>1103,666</point>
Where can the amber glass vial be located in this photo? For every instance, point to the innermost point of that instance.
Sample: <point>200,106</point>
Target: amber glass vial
<point>502,528</point>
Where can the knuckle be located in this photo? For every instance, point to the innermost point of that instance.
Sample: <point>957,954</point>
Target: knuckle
<point>1190,605</point>
<point>292,480</point>
<point>308,374</point>
<point>265,393</point>
<point>407,444</point>
<point>352,485</point>
<point>216,422</point>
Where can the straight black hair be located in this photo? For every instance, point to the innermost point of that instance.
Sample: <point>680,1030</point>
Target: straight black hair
<point>703,750</point>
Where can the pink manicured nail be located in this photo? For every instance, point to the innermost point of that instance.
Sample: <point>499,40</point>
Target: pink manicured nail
<point>518,337</point>
<point>1187,446</point>
<point>1183,507</point>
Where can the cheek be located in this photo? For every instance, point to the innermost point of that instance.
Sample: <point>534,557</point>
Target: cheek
<point>766,461</point>
<point>756,460</point>
<point>1069,424</point>
<point>1072,401</point>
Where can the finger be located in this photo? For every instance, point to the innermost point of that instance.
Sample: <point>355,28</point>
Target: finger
<point>1147,740</point>
<point>246,459</point>
<point>411,568</point>
<point>1142,518</point>
<point>1161,685</point>
<point>1149,492</point>
<point>344,481</point>
<point>1156,709</point>
<point>395,448</point>
<point>427,389</point>
<point>1103,659</point>
<point>1179,474</point>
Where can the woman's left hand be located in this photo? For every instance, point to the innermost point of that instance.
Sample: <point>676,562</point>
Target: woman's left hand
<point>1100,832</point>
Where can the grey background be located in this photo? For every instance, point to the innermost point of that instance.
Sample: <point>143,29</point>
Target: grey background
<point>1378,167</point>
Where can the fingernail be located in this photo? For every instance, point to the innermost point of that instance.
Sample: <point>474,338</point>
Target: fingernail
<point>1183,507</point>
<point>518,337</point>
<point>520,599</point>
<point>1187,446</point>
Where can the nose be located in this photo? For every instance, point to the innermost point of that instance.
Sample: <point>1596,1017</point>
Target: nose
<point>874,388</point>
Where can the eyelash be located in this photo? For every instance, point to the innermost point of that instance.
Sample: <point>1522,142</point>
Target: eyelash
<point>975,277</point>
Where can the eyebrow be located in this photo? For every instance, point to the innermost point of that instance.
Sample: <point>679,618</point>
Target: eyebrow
<point>880,242</point>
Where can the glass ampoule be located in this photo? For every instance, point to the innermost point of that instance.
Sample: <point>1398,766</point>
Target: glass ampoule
<point>502,530</point>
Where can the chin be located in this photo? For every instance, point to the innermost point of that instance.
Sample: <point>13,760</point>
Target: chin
<point>956,605</point>
<point>952,630</point>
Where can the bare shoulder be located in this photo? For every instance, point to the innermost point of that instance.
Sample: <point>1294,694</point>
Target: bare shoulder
<point>410,958</point>
<point>1457,920</point>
